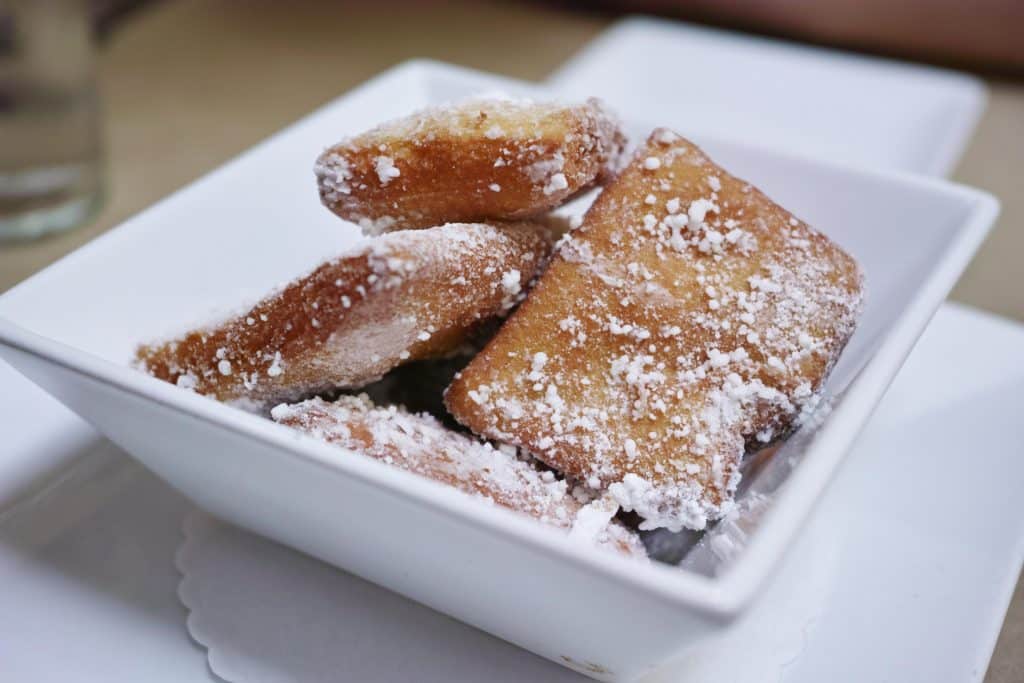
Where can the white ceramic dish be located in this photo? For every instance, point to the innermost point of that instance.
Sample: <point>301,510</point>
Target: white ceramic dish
<point>256,221</point>
<point>936,111</point>
<point>887,569</point>
<point>874,112</point>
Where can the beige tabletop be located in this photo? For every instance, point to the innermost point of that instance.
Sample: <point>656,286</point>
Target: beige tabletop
<point>189,84</point>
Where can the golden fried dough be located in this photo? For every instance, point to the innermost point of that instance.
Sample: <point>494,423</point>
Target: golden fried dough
<point>477,160</point>
<point>687,314</point>
<point>420,444</point>
<point>405,296</point>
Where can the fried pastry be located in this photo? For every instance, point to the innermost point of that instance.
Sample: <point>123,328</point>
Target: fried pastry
<point>406,296</point>
<point>687,314</point>
<point>478,160</point>
<point>420,444</point>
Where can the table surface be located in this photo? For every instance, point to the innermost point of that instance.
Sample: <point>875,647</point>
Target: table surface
<point>189,84</point>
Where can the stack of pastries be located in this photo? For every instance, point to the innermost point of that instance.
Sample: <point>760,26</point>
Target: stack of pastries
<point>625,364</point>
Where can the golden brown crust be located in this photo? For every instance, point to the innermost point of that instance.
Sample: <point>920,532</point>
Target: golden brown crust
<point>478,160</point>
<point>688,313</point>
<point>422,445</point>
<point>404,296</point>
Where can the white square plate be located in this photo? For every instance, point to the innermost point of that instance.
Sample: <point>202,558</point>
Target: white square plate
<point>839,106</point>
<point>256,221</point>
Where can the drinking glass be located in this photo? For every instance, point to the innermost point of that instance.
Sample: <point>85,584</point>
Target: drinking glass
<point>50,154</point>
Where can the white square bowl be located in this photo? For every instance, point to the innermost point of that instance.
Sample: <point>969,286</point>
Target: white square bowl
<point>257,221</point>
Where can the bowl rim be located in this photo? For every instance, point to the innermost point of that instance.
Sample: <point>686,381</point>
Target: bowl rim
<point>721,597</point>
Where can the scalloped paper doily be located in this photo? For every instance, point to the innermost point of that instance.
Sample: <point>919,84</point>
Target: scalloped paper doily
<point>269,614</point>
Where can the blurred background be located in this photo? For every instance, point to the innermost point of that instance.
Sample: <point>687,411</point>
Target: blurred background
<point>186,84</point>
<point>139,98</point>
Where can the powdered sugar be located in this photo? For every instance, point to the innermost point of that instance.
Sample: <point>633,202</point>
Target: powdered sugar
<point>539,153</point>
<point>555,183</point>
<point>386,169</point>
<point>512,286</point>
<point>357,316</point>
<point>418,443</point>
<point>686,316</point>
<point>333,174</point>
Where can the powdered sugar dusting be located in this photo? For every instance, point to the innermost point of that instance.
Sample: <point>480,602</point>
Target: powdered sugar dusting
<point>418,443</point>
<point>686,316</point>
<point>473,160</point>
<point>403,296</point>
<point>386,169</point>
<point>333,174</point>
